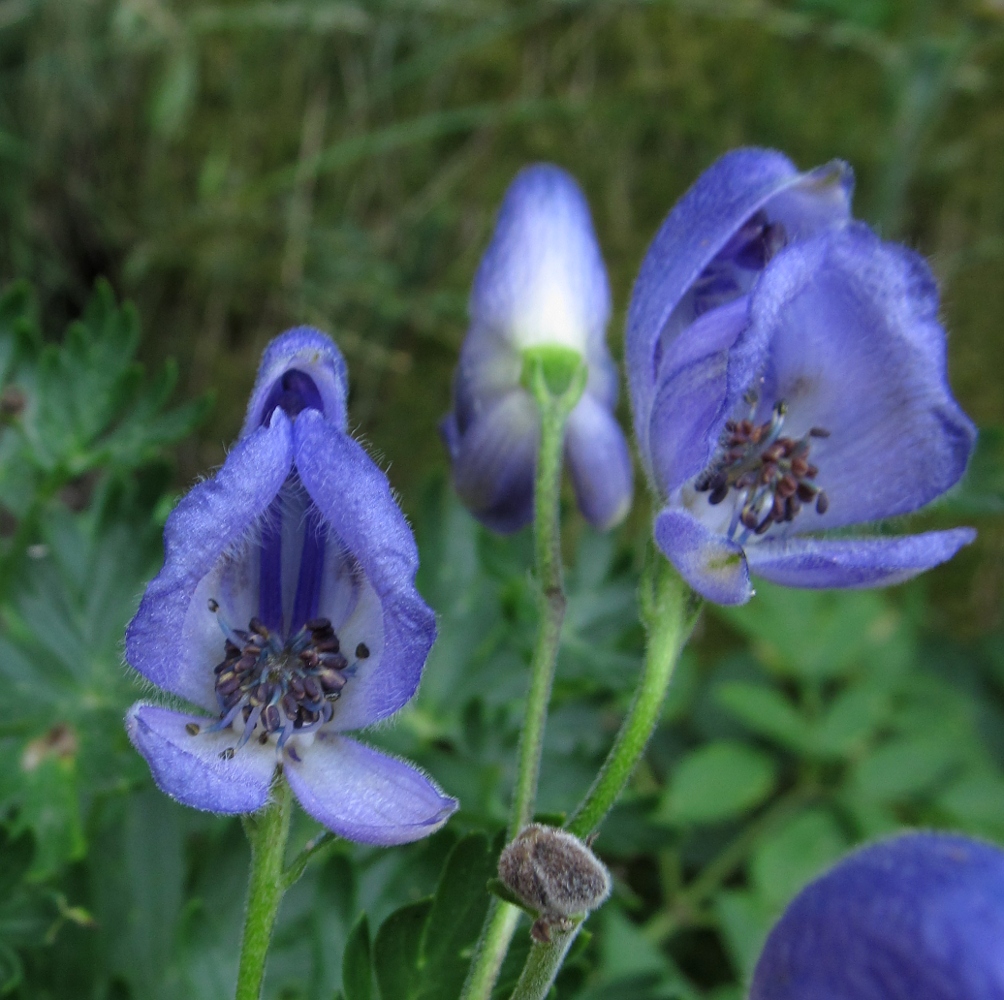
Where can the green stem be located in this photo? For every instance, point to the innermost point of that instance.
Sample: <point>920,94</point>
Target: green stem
<point>554,407</point>
<point>543,964</point>
<point>669,612</point>
<point>267,830</point>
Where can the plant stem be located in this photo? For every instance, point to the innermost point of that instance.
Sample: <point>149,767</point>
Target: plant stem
<point>267,831</point>
<point>669,612</point>
<point>543,964</point>
<point>554,407</point>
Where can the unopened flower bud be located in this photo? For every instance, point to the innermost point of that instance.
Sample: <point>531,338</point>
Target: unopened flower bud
<point>554,873</point>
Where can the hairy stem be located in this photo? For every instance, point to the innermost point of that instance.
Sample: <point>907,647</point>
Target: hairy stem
<point>267,831</point>
<point>543,964</point>
<point>554,406</point>
<point>669,612</point>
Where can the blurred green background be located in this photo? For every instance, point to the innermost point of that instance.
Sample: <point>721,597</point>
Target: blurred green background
<point>239,167</point>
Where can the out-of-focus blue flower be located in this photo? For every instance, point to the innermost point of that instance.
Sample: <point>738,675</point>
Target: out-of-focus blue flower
<point>917,917</point>
<point>287,610</point>
<point>787,376</point>
<point>541,283</point>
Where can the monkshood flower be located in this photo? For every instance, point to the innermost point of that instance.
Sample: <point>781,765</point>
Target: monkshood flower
<point>917,917</point>
<point>541,283</point>
<point>787,375</point>
<point>286,610</point>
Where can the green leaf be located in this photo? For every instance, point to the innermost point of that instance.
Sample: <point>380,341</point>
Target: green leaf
<point>16,854</point>
<point>765,711</point>
<point>745,920</point>
<point>357,974</point>
<point>905,766</point>
<point>397,948</point>
<point>458,910</point>
<point>787,858</point>
<point>717,781</point>
<point>808,633</point>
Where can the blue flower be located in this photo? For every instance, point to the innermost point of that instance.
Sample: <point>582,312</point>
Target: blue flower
<point>541,283</point>
<point>787,376</point>
<point>287,610</point>
<point>917,917</point>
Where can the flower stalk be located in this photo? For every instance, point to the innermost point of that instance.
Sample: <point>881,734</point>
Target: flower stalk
<point>556,378</point>
<point>267,832</point>
<point>669,612</point>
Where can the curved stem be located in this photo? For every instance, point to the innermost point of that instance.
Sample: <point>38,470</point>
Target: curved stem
<point>554,407</point>
<point>670,612</point>
<point>267,831</point>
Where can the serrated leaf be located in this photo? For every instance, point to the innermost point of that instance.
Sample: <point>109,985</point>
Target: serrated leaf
<point>357,972</point>
<point>765,711</point>
<point>397,949</point>
<point>717,781</point>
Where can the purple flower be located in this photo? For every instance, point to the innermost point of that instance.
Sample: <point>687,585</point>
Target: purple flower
<point>287,610</point>
<point>917,917</point>
<point>787,376</point>
<point>541,283</point>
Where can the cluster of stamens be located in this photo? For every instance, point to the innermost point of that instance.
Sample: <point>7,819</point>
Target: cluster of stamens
<point>271,686</point>
<point>772,472</point>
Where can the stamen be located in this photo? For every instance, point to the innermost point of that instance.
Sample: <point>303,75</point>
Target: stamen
<point>278,687</point>
<point>772,472</point>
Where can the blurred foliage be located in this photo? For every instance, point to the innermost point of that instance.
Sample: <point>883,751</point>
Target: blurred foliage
<point>238,167</point>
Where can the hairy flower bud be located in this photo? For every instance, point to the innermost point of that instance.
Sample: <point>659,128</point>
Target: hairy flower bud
<point>555,874</point>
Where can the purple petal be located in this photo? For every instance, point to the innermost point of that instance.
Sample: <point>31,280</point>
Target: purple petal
<point>916,917</point>
<point>493,466</point>
<point>709,562</point>
<point>302,351</point>
<point>701,224</point>
<point>853,562</point>
<point>174,640</point>
<point>364,795</point>
<point>355,501</point>
<point>599,463</point>
<point>855,347</point>
<point>190,769</point>
<point>693,397</point>
<point>542,279</point>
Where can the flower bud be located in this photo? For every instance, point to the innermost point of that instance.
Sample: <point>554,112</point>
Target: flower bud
<point>554,873</point>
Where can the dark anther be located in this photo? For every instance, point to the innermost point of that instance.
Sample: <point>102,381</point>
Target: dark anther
<point>213,606</point>
<point>822,503</point>
<point>192,728</point>
<point>227,754</point>
<point>362,651</point>
<point>772,472</point>
<point>269,687</point>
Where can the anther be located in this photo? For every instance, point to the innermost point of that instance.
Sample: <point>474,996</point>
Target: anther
<point>192,728</point>
<point>227,754</point>
<point>213,605</point>
<point>362,651</point>
<point>822,503</point>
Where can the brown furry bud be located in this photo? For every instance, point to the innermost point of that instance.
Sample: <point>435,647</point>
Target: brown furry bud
<point>555,874</point>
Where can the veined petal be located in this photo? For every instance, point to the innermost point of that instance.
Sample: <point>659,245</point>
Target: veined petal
<point>599,463</point>
<point>170,641</point>
<point>917,916</point>
<point>714,566</point>
<point>700,226</point>
<point>301,367</point>
<point>189,767</point>
<point>542,279</point>
<point>354,499</point>
<point>854,346</point>
<point>853,562</point>
<point>493,466</point>
<point>365,795</point>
